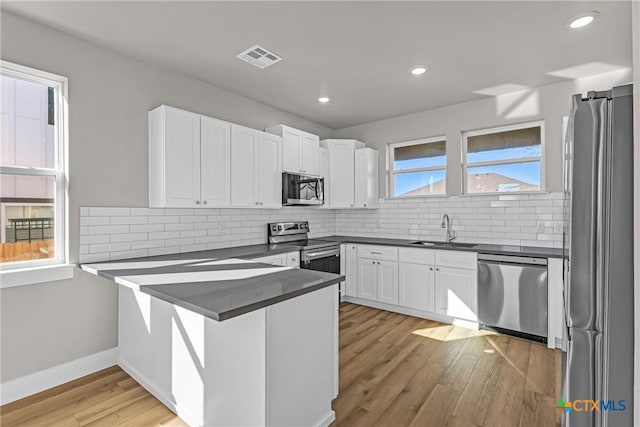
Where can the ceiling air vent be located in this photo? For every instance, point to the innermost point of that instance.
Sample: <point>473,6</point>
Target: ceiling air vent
<point>259,57</point>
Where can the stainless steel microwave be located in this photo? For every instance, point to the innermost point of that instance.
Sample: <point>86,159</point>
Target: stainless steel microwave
<point>302,190</point>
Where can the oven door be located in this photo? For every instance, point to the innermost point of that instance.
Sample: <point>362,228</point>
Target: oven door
<point>321,260</point>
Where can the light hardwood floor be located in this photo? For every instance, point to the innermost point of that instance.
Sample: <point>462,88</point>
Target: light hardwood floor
<point>395,370</point>
<point>398,370</point>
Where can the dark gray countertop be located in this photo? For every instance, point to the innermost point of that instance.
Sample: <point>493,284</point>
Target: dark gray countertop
<point>217,287</point>
<point>530,251</point>
<point>227,292</point>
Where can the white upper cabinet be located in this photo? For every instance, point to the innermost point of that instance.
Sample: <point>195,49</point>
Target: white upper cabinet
<point>188,159</point>
<point>215,162</point>
<point>300,150</point>
<point>256,168</point>
<point>352,181</point>
<point>341,179</point>
<point>270,166</point>
<point>366,178</point>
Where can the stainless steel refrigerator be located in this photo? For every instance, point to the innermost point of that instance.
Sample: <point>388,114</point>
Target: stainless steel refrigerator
<point>598,285</point>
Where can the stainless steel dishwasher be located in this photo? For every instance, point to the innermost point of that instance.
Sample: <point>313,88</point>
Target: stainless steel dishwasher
<point>512,295</point>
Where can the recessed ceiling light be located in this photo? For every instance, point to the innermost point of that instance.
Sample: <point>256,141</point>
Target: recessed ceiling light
<point>582,20</point>
<point>323,99</point>
<point>418,69</point>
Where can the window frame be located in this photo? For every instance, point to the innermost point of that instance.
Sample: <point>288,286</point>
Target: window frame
<point>511,161</point>
<point>392,172</point>
<point>59,172</point>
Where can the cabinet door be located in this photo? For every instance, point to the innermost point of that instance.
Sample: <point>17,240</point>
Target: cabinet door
<point>181,158</point>
<point>415,286</point>
<point>280,259</point>
<point>215,162</point>
<point>244,166</point>
<point>367,279</point>
<point>351,270</point>
<point>388,282</point>
<point>291,149</point>
<point>293,259</point>
<point>366,178</point>
<point>310,154</point>
<point>269,177</point>
<point>341,158</point>
<point>456,293</point>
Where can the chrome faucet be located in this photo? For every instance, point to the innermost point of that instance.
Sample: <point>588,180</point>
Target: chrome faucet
<point>447,224</point>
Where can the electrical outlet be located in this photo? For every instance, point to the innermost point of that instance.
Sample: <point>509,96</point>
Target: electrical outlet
<point>223,229</point>
<point>540,228</point>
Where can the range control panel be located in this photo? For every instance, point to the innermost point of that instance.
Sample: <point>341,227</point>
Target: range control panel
<point>288,228</point>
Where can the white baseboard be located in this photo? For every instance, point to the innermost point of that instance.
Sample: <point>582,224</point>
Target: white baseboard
<point>469,324</point>
<point>48,378</point>
<point>331,417</point>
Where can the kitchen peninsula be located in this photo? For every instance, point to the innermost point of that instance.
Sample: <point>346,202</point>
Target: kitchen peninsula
<point>229,341</point>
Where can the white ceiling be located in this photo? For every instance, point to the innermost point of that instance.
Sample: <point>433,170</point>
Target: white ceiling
<point>357,53</point>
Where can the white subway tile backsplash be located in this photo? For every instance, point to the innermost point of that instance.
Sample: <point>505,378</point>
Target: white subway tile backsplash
<point>109,211</point>
<point>129,220</point>
<point>506,219</point>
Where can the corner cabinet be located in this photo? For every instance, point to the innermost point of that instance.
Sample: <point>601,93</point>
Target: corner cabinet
<point>300,150</point>
<point>256,168</point>
<point>189,159</point>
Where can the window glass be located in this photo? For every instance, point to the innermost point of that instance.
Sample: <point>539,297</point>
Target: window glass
<point>420,155</point>
<point>504,178</point>
<point>419,183</point>
<point>30,170</point>
<point>501,161</point>
<point>417,168</point>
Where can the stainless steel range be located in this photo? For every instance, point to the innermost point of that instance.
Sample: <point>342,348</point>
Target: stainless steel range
<point>315,254</point>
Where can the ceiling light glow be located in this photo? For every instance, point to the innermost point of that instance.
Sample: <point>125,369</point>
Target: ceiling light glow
<point>582,20</point>
<point>418,70</point>
<point>323,99</point>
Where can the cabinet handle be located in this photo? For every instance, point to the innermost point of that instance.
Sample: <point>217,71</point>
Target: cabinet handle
<point>204,203</point>
<point>377,253</point>
<point>430,268</point>
<point>373,262</point>
<point>197,202</point>
<point>378,262</point>
<point>437,269</point>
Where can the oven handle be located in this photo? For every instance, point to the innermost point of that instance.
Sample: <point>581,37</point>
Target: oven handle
<point>310,256</point>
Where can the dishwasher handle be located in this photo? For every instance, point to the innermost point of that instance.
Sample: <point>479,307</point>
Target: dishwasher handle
<point>511,259</point>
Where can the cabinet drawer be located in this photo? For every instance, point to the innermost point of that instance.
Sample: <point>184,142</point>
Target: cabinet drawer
<point>417,256</point>
<point>389,253</point>
<point>456,259</point>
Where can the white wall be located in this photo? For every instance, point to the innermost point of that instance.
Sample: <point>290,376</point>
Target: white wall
<point>52,323</point>
<point>548,103</point>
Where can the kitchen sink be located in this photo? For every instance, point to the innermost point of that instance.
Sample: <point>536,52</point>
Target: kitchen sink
<point>443,244</point>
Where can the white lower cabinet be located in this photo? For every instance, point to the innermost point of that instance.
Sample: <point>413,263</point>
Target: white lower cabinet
<point>289,259</point>
<point>440,282</point>
<point>388,282</point>
<point>349,258</point>
<point>367,279</point>
<point>416,286</point>
<point>456,291</point>
<point>378,280</point>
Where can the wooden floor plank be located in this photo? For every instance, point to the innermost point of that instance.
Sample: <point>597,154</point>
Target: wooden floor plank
<point>395,370</point>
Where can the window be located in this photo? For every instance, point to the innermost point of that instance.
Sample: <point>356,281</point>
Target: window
<point>32,167</point>
<point>504,160</point>
<point>417,168</point>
